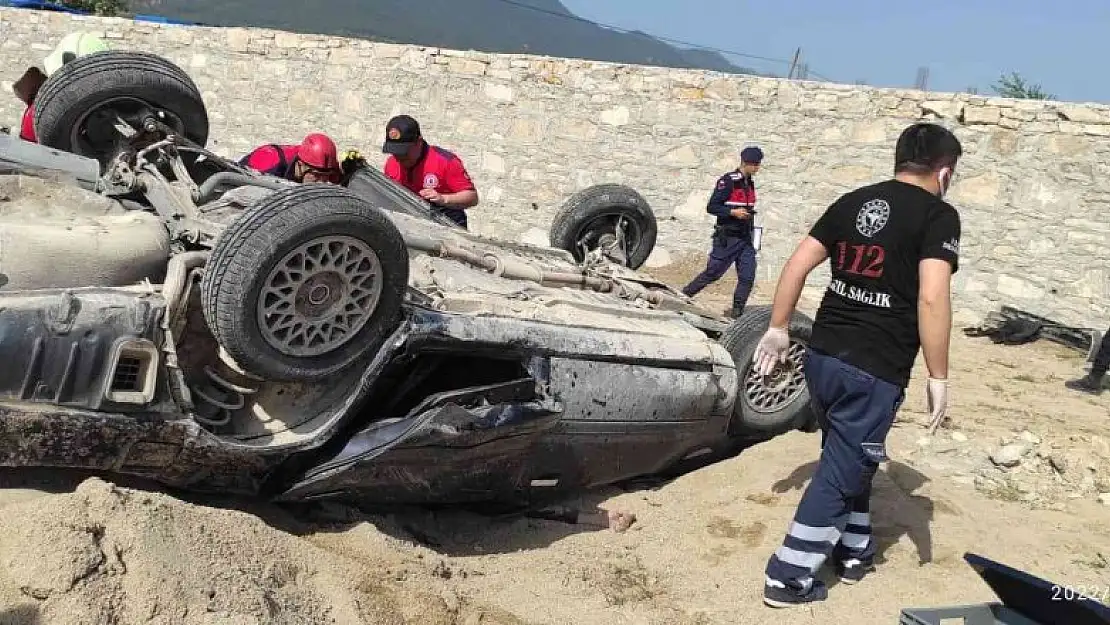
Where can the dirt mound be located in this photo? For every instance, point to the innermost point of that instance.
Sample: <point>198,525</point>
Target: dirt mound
<point>104,554</point>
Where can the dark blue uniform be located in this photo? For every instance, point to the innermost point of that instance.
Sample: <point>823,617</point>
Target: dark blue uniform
<point>732,238</point>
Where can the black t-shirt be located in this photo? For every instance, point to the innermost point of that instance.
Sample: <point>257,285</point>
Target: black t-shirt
<point>876,236</point>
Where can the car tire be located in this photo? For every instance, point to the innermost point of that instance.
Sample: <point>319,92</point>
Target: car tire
<point>305,258</point>
<point>593,211</point>
<point>754,413</point>
<point>123,80</point>
<point>381,191</point>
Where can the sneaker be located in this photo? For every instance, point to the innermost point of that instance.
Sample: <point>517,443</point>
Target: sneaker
<point>778,596</point>
<point>1086,384</point>
<point>853,571</point>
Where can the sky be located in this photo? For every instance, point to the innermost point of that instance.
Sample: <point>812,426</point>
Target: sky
<point>1064,45</point>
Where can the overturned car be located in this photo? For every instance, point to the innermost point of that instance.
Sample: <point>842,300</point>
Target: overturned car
<point>168,314</point>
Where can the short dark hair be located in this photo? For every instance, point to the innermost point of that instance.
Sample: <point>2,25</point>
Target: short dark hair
<point>924,147</point>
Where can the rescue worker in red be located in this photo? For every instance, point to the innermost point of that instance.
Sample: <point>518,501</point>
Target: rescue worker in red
<point>432,172</point>
<point>733,203</point>
<point>26,88</point>
<point>316,159</point>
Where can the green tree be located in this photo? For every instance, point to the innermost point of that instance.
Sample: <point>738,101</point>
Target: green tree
<point>99,7</point>
<point>1014,86</point>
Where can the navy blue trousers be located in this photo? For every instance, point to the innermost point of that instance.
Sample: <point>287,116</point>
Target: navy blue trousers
<point>727,250</point>
<point>856,411</point>
<point>456,215</point>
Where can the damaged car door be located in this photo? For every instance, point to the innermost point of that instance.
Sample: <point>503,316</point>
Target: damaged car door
<point>454,447</point>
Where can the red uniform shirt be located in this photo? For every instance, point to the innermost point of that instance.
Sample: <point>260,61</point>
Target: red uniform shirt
<point>437,169</point>
<point>27,128</point>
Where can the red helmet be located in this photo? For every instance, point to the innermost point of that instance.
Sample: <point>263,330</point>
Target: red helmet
<point>319,151</point>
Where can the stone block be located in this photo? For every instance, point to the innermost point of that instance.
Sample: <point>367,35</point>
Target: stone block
<point>1018,288</point>
<point>238,39</point>
<point>493,163</point>
<point>982,115</point>
<point>499,92</point>
<point>683,156</point>
<point>288,40</point>
<point>983,189</point>
<point>659,257</point>
<point>945,109</point>
<point>692,207</point>
<point>1083,114</point>
<point>618,116</point>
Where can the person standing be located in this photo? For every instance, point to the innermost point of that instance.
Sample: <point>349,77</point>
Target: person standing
<point>435,174</point>
<point>733,203</point>
<point>1092,382</point>
<point>893,247</point>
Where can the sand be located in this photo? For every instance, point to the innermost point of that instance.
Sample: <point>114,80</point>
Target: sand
<point>87,550</point>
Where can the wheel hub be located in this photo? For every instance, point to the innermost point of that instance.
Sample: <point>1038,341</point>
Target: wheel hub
<point>319,296</point>
<point>781,387</point>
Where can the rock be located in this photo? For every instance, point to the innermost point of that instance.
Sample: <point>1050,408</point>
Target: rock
<point>982,189</point>
<point>535,236</point>
<point>493,163</point>
<point>982,115</point>
<point>1009,455</point>
<point>1101,446</point>
<point>959,437</point>
<point>1083,114</point>
<point>499,92</point>
<point>1029,437</point>
<point>1104,499</point>
<point>683,156</point>
<point>619,116</point>
<point>1059,463</point>
<point>693,209</point>
<point>659,257</point>
<point>942,108</point>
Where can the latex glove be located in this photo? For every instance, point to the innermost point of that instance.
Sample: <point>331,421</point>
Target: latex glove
<point>936,392</point>
<point>772,349</point>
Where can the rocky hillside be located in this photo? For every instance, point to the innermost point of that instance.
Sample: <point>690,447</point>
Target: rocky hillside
<point>510,26</point>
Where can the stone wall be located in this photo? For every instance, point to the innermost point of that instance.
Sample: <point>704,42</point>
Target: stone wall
<point>1033,188</point>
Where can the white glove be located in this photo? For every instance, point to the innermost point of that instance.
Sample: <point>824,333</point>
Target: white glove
<point>936,392</point>
<point>772,349</point>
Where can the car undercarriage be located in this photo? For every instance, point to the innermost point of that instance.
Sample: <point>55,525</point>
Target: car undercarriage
<point>181,318</point>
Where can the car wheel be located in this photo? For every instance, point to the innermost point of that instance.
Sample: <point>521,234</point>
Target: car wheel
<point>78,106</point>
<point>378,189</point>
<point>305,282</point>
<point>781,402</point>
<point>610,216</point>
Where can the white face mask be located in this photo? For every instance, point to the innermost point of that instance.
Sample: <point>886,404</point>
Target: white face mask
<point>944,181</point>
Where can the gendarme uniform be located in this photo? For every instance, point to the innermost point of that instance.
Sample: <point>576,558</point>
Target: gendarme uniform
<point>732,236</point>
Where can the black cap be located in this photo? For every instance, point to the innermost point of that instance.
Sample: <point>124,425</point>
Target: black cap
<point>400,133</point>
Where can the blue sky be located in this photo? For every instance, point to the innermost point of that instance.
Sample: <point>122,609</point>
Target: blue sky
<point>1063,45</point>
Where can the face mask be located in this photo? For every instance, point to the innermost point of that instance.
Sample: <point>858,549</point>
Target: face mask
<point>944,181</point>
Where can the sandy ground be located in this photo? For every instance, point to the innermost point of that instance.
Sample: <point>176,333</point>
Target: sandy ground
<point>88,551</point>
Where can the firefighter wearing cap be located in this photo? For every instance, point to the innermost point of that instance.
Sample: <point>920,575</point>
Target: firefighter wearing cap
<point>71,46</point>
<point>432,172</point>
<point>316,159</point>
<point>733,203</point>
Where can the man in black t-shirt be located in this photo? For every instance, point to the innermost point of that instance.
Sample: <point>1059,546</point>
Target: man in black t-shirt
<point>893,247</point>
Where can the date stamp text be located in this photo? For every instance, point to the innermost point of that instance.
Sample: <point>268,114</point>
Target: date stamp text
<point>1101,594</point>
